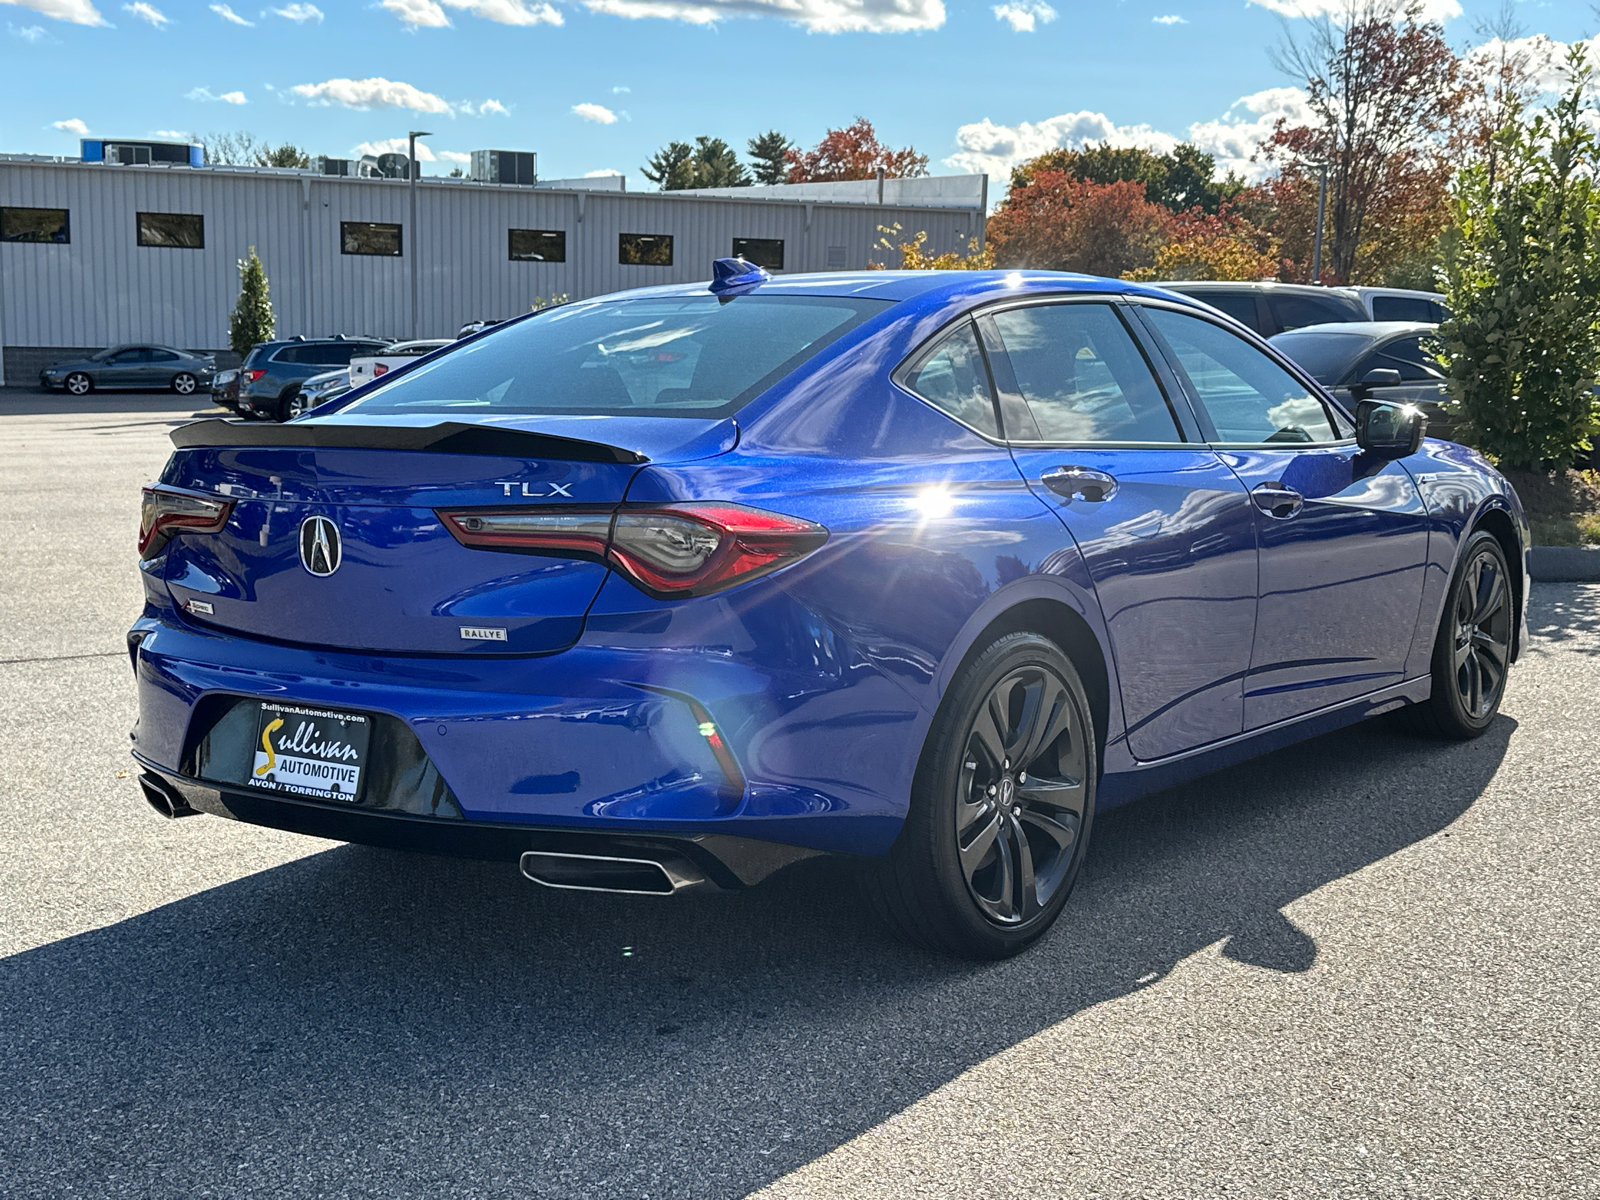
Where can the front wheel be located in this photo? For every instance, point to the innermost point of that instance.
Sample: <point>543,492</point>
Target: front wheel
<point>1472,652</point>
<point>78,384</point>
<point>1000,809</point>
<point>184,383</point>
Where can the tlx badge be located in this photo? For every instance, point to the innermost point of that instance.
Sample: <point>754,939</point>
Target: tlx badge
<point>527,493</point>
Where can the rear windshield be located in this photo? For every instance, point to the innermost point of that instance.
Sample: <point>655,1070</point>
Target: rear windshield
<point>1327,356</point>
<point>696,356</point>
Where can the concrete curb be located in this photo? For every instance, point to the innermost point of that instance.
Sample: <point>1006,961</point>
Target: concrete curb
<point>1564,564</point>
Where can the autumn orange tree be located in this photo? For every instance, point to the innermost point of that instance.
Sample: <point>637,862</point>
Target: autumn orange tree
<point>1384,89</point>
<point>853,152</point>
<point>1219,245</point>
<point>1060,223</point>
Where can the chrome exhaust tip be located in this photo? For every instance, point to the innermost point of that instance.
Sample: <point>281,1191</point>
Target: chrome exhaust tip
<point>163,797</point>
<point>605,873</point>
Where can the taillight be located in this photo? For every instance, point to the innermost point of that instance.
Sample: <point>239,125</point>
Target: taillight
<point>668,550</point>
<point>256,373</point>
<point>165,511</point>
<point>379,369</point>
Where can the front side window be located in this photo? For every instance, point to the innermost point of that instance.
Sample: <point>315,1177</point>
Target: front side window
<point>370,237</point>
<point>645,249</point>
<point>1295,311</point>
<point>1251,399</point>
<point>952,378</point>
<point>178,231</point>
<point>35,225</point>
<point>695,356</point>
<point>1081,374</point>
<point>133,354</point>
<point>762,252</point>
<point>538,245</point>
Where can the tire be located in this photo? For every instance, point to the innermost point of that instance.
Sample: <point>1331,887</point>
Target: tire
<point>291,406</point>
<point>1472,650</point>
<point>184,383</point>
<point>1000,808</point>
<point>78,384</point>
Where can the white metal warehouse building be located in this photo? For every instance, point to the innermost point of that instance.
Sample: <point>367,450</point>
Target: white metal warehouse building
<point>149,253</point>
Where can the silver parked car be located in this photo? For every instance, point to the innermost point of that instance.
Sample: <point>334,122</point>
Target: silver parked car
<point>132,368</point>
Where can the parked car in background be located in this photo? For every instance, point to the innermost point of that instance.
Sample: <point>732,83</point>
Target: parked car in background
<point>1401,304</point>
<point>221,384</point>
<point>365,368</point>
<point>1271,308</point>
<point>1398,362</point>
<point>319,389</point>
<point>478,326</point>
<point>131,368</point>
<point>269,385</point>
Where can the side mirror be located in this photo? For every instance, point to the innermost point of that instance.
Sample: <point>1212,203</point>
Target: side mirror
<point>1378,377</point>
<point>1389,430</point>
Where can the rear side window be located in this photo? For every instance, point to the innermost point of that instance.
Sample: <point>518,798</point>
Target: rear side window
<point>1241,306</point>
<point>1403,308</point>
<point>1416,358</point>
<point>1251,399</point>
<point>951,377</point>
<point>163,356</point>
<point>1294,311</point>
<point>1082,375</point>
<point>691,356</point>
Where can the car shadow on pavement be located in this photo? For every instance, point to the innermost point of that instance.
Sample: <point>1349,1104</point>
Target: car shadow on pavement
<point>360,1022</point>
<point>1566,614</point>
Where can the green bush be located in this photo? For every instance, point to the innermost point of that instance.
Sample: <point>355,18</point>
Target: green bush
<point>251,321</point>
<point>1523,280</point>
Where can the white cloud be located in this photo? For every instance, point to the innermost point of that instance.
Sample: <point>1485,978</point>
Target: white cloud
<point>71,125</point>
<point>598,113</point>
<point>818,16</point>
<point>1232,138</point>
<point>1543,56</point>
<point>621,91</point>
<point>147,12</point>
<point>29,33</point>
<point>371,93</point>
<point>227,14</point>
<point>175,135</point>
<point>78,12</point>
<point>1024,15</point>
<point>453,156</point>
<point>511,12</point>
<point>298,13</point>
<point>602,173</point>
<point>1432,10</point>
<point>396,146</point>
<point>415,13</point>
<point>495,107</point>
<point>206,94</point>
<point>1172,19</point>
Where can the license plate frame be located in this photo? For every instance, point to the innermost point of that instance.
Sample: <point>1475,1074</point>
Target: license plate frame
<point>308,751</point>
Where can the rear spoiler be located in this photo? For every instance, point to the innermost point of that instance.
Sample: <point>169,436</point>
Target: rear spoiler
<point>451,437</point>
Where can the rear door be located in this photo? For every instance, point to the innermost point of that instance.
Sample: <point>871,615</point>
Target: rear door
<point>1343,538</point>
<point>1163,525</point>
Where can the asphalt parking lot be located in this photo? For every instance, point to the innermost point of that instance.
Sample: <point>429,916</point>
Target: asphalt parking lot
<point>1361,967</point>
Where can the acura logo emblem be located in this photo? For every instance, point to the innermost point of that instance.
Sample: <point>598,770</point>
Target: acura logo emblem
<point>319,546</point>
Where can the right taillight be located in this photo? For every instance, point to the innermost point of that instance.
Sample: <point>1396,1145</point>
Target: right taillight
<point>256,373</point>
<point>668,550</point>
<point>165,511</point>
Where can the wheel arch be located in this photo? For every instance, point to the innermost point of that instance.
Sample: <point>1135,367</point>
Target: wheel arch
<point>1498,522</point>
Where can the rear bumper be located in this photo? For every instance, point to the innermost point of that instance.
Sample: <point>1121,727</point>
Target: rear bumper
<point>729,862</point>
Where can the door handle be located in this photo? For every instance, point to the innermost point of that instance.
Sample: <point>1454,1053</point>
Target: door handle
<point>1068,482</point>
<point>1276,500</point>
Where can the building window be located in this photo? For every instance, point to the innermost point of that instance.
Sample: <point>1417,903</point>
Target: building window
<point>34,225</point>
<point>538,245</point>
<point>178,231</point>
<point>762,252</point>
<point>369,237</point>
<point>645,249</point>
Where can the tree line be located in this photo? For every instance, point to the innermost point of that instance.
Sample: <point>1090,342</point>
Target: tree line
<point>851,152</point>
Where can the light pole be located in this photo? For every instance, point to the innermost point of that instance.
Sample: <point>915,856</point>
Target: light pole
<point>412,172</point>
<point>1322,204</point>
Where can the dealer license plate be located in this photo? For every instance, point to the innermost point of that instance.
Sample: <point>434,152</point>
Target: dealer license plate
<point>307,751</point>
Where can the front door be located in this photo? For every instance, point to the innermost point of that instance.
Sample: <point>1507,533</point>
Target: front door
<point>1343,536</point>
<point>1163,525</point>
<point>123,369</point>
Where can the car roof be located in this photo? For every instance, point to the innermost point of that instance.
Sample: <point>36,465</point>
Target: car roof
<point>1371,329</point>
<point>1250,285</point>
<point>1393,291</point>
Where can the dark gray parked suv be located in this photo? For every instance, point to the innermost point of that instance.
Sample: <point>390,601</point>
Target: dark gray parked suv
<point>1271,308</point>
<point>269,381</point>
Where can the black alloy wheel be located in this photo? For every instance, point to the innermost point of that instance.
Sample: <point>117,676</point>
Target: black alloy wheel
<point>79,384</point>
<point>184,383</point>
<point>1001,809</point>
<point>1472,653</point>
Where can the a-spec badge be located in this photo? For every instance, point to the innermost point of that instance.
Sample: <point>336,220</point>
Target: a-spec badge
<point>483,633</point>
<point>200,608</point>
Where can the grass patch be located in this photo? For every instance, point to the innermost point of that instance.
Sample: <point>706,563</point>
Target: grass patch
<point>1563,507</point>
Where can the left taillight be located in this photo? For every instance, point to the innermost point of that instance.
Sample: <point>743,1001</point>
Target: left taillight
<point>165,511</point>
<point>668,551</point>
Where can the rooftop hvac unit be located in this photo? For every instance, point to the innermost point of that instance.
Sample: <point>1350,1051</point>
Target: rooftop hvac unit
<point>127,154</point>
<point>324,165</point>
<point>393,166</point>
<point>505,166</point>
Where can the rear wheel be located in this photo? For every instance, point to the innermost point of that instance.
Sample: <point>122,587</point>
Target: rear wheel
<point>1472,652</point>
<point>291,406</point>
<point>184,383</point>
<point>79,384</point>
<point>1001,807</point>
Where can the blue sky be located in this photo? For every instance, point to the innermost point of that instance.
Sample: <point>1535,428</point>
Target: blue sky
<point>598,85</point>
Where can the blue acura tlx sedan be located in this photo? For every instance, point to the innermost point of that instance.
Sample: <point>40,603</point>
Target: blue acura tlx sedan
<point>672,588</point>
